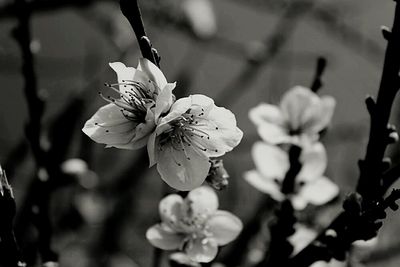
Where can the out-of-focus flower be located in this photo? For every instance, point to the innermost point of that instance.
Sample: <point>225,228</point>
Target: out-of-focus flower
<point>217,176</point>
<point>50,264</point>
<point>299,118</point>
<point>194,130</point>
<point>302,237</point>
<point>127,121</point>
<point>311,187</point>
<point>201,16</point>
<point>91,206</point>
<point>194,225</point>
<point>79,169</point>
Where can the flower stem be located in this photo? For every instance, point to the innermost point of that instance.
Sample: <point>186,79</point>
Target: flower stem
<point>319,71</point>
<point>131,10</point>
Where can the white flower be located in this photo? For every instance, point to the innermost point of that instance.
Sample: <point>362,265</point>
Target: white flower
<point>299,118</point>
<point>201,16</point>
<point>302,237</point>
<point>194,225</point>
<point>311,187</point>
<point>128,120</point>
<point>194,130</point>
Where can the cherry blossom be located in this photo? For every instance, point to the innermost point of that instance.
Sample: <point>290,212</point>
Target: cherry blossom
<point>128,120</point>
<point>300,117</point>
<point>194,225</point>
<point>194,130</point>
<point>311,187</point>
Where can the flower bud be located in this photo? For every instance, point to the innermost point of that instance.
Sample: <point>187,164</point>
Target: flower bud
<point>217,176</point>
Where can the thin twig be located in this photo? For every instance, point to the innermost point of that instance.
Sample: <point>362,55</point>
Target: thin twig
<point>319,71</point>
<point>348,226</point>
<point>371,166</point>
<point>131,10</point>
<point>40,192</point>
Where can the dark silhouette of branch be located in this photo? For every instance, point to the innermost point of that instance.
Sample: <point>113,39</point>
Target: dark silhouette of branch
<point>131,10</point>
<point>363,210</point>
<point>10,255</point>
<point>371,166</point>
<point>9,10</point>
<point>38,202</point>
<point>319,71</point>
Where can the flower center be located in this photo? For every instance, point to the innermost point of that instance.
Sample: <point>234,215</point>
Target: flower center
<point>134,99</point>
<point>185,132</point>
<point>297,131</point>
<point>195,227</point>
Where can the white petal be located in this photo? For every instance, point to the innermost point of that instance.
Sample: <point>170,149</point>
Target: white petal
<point>109,126</point>
<point>151,149</point>
<point>298,202</point>
<point>273,133</point>
<point>314,160</point>
<point>170,209</point>
<point>202,250</point>
<point>164,100</point>
<point>128,74</point>
<point>318,116</point>
<point>264,184</point>
<point>124,73</point>
<point>201,103</point>
<point>294,104</point>
<point>271,161</point>
<point>203,201</point>
<point>319,192</point>
<point>365,244</point>
<point>224,226</point>
<point>162,237</point>
<point>177,109</point>
<point>215,131</point>
<point>301,238</point>
<point>153,72</point>
<point>182,170</point>
<point>266,113</point>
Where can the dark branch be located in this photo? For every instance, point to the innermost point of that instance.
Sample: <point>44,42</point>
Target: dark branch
<point>370,167</point>
<point>131,10</point>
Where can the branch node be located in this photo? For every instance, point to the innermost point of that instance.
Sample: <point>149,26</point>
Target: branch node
<point>371,105</point>
<point>386,164</point>
<point>156,55</point>
<point>386,32</point>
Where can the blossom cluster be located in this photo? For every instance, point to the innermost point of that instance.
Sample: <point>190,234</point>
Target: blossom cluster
<point>181,135</point>
<point>298,121</point>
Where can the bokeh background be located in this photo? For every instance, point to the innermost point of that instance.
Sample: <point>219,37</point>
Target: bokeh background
<point>256,52</point>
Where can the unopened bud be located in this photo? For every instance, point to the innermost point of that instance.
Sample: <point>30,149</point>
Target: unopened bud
<point>217,176</point>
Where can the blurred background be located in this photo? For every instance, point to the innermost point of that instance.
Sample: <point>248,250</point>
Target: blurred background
<point>239,52</point>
